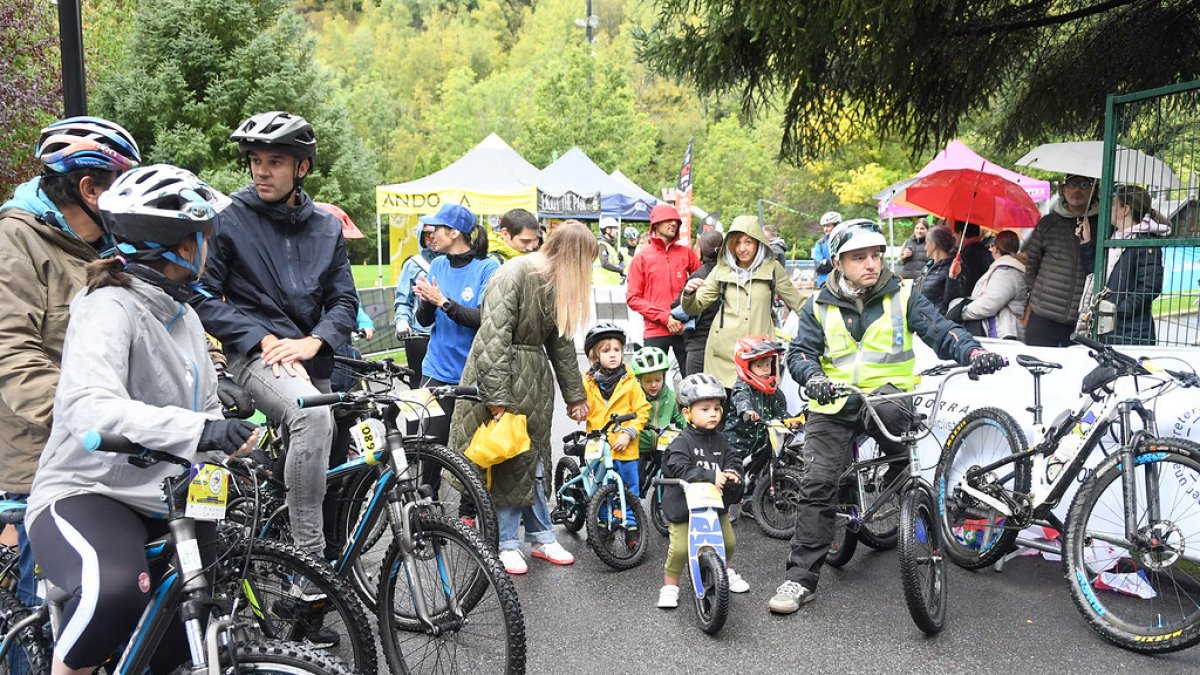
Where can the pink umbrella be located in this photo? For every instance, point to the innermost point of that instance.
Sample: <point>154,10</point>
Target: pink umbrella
<point>349,229</point>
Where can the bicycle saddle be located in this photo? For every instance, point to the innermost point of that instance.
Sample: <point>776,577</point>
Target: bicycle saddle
<point>1035,365</point>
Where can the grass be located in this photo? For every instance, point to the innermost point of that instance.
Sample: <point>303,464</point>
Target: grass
<point>366,275</point>
<point>1175,304</point>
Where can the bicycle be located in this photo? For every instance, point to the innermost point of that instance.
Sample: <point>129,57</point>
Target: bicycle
<point>184,590</point>
<point>774,474</point>
<point>1129,566</point>
<point>599,498</point>
<point>439,581</point>
<point>706,552</point>
<point>650,469</point>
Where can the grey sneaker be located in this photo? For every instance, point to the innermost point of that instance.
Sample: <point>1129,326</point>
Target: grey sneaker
<point>789,597</point>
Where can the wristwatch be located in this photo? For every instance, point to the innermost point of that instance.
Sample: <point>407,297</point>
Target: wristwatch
<point>446,305</point>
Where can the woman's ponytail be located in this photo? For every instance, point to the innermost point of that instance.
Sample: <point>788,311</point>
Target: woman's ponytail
<point>106,272</point>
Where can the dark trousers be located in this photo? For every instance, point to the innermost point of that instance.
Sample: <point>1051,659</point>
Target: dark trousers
<point>695,360</point>
<point>414,352</point>
<point>828,447</point>
<point>1043,332</point>
<point>668,343</point>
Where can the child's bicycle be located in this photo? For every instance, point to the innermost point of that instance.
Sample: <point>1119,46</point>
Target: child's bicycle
<point>599,498</point>
<point>773,477</point>
<point>706,552</point>
<point>650,470</point>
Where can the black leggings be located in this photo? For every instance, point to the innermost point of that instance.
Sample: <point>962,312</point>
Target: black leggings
<point>93,547</point>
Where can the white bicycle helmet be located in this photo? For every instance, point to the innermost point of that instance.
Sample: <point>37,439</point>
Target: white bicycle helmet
<point>830,218</point>
<point>855,234</point>
<point>608,222</point>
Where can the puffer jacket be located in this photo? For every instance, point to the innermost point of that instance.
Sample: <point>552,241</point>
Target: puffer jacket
<point>999,299</point>
<point>936,285</point>
<point>1135,280</point>
<point>915,263</point>
<point>1055,268</point>
<point>510,361</point>
<point>627,397</point>
<point>135,363</point>
<point>41,270</point>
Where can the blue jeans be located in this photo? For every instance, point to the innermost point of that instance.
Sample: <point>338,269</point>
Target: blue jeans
<point>26,585</point>
<point>538,529</point>
<point>627,469</point>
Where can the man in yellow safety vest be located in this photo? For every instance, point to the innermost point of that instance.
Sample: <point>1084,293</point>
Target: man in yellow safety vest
<point>857,331</point>
<point>609,267</point>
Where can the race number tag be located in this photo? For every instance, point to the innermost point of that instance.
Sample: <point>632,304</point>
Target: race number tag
<point>369,439</point>
<point>703,496</point>
<point>593,450</point>
<point>208,493</point>
<point>665,438</point>
<point>416,404</point>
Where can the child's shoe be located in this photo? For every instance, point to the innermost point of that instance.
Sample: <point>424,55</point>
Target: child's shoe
<point>631,538</point>
<point>553,553</point>
<point>736,583</point>
<point>668,597</point>
<point>513,561</point>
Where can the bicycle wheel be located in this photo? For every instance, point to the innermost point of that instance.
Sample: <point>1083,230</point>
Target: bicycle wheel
<point>471,602</point>
<point>775,503</point>
<point>922,568</point>
<point>572,502</point>
<point>616,539</point>
<point>275,657</point>
<point>1140,595</point>
<point>881,530</point>
<point>972,533</point>
<point>656,513</point>
<point>713,608</point>
<point>845,538</point>
<point>288,594</point>
<point>29,653</point>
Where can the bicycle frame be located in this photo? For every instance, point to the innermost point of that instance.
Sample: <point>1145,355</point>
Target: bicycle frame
<point>593,467</point>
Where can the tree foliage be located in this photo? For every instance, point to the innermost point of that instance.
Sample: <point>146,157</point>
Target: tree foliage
<point>30,85</point>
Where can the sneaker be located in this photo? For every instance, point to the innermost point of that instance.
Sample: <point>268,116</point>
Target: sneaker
<point>748,510</point>
<point>322,637</point>
<point>513,561</point>
<point>305,590</point>
<point>469,521</point>
<point>311,620</point>
<point>553,553</point>
<point>789,597</point>
<point>736,583</point>
<point>631,538</point>
<point>668,597</point>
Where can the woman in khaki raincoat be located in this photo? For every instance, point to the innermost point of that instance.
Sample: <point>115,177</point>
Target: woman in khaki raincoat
<point>532,309</point>
<point>745,282</point>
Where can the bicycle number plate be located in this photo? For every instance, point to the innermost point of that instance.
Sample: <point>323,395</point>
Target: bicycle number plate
<point>665,438</point>
<point>208,493</point>
<point>369,439</point>
<point>415,404</point>
<point>703,496</point>
<point>594,449</point>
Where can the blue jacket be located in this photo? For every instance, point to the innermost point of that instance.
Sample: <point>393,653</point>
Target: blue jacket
<point>277,270</point>
<point>407,302</point>
<point>822,258</point>
<point>450,340</point>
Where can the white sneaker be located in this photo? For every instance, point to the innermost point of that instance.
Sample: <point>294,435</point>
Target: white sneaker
<point>668,597</point>
<point>553,553</point>
<point>513,561</point>
<point>736,583</point>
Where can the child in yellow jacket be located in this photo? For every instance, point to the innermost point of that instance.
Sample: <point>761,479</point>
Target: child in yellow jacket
<point>612,389</point>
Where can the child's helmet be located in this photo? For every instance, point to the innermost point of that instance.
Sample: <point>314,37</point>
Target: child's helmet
<point>649,360</point>
<point>699,387</point>
<point>752,348</point>
<point>602,331</point>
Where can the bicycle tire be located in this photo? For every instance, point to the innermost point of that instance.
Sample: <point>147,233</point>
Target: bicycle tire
<point>775,502</point>
<point>271,608</point>
<point>657,517</point>
<point>922,568</point>
<point>409,646</point>
<point>564,471</point>
<point>276,658</point>
<point>713,608</point>
<point>30,652</point>
<point>845,539</point>
<point>1116,612</point>
<point>983,436</point>
<point>611,543</point>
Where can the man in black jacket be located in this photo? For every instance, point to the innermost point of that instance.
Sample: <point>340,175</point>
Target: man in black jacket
<point>279,295</point>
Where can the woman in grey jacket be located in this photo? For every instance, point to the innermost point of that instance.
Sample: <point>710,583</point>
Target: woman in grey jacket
<point>996,307</point>
<point>134,363</point>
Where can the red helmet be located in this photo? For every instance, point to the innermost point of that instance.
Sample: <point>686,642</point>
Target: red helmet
<point>752,348</point>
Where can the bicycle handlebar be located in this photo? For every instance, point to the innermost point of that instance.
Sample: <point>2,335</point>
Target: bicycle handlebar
<point>455,391</point>
<point>102,441</point>
<point>670,481</point>
<point>1143,366</point>
<point>576,436</point>
<point>318,400</point>
<point>870,400</point>
<point>382,366</point>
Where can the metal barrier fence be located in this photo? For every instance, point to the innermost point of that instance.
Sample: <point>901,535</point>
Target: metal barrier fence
<point>1146,282</point>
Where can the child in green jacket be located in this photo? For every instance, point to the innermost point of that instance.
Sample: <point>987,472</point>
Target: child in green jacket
<point>650,366</point>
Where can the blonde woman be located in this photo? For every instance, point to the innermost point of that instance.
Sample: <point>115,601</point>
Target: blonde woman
<point>532,309</point>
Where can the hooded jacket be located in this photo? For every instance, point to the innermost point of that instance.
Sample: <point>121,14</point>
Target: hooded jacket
<point>745,298</point>
<point>407,302</point>
<point>41,269</point>
<point>627,397</point>
<point>999,299</point>
<point>135,363</point>
<point>1135,279</point>
<point>1055,266</point>
<point>655,277</point>
<point>695,456</point>
<point>664,413</point>
<point>747,437</point>
<point>499,249</point>
<point>279,270</point>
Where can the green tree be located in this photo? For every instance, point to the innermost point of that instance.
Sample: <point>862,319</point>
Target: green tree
<point>30,86</point>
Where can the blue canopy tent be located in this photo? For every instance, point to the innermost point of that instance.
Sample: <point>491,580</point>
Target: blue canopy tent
<point>577,172</point>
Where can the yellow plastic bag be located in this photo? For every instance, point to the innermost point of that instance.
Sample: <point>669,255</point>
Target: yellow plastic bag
<point>498,441</point>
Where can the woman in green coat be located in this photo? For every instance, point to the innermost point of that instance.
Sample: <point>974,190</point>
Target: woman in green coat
<point>532,308</point>
<point>745,282</point>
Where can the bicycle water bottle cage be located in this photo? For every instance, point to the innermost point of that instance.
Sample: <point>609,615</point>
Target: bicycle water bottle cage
<point>1098,382</point>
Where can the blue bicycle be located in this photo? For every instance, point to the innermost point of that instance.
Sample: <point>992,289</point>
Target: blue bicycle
<point>706,552</point>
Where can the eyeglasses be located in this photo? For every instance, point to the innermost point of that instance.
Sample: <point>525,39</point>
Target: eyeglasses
<point>1079,183</point>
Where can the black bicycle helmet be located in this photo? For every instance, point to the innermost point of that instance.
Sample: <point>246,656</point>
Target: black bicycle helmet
<point>699,387</point>
<point>602,331</point>
<point>278,131</point>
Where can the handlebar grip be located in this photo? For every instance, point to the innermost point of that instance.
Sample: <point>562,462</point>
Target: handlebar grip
<point>102,441</point>
<point>1080,338</point>
<point>669,481</point>
<point>319,400</point>
<point>359,364</point>
<point>456,391</point>
<point>624,418</point>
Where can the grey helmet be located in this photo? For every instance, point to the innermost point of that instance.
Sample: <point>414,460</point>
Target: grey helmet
<point>699,387</point>
<point>278,131</point>
<point>631,232</point>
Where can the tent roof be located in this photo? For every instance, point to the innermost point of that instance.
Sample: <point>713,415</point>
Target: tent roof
<point>634,188</point>
<point>490,169</point>
<point>575,171</point>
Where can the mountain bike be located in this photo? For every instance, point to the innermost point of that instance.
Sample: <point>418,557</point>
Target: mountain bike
<point>773,476</point>
<point>706,552</point>
<point>212,625</point>
<point>1130,559</point>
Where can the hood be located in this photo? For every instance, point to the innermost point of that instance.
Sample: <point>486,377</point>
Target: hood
<point>1060,208</point>
<point>496,244</point>
<point>426,252</point>
<point>50,223</point>
<point>164,308</point>
<point>745,225</point>
<point>1148,226</point>
<point>278,213</point>
<point>1010,261</point>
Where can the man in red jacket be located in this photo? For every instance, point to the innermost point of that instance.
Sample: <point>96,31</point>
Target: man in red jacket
<point>657,276</point>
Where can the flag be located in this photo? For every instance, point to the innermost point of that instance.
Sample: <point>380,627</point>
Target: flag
<point>683,196</point>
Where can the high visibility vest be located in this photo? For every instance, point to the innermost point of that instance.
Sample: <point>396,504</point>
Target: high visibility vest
<point>884,356</point>
<point>601,276</point>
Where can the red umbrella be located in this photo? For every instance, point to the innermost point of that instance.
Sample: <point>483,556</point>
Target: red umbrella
<point>987,200</point>
<point>349,229</point>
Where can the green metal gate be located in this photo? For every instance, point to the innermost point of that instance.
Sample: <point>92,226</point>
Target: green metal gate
<point>1147,281</point>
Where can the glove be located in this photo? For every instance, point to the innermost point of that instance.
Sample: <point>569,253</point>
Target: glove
<point>235,401</point>
<point>820,389</point>
<point>985,362</point>
<point>402,329</point>
<point>224,435</point>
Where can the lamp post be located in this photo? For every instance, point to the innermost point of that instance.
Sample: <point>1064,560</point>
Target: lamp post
<point>70,40</point>
<point>589,23</point>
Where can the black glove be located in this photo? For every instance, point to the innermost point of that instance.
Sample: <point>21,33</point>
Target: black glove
<point>821,389</point>
<point>983,363</point>
<point>224,436</point>
<point>235,401</point>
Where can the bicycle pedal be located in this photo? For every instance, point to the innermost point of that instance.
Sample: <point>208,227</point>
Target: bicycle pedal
<point>559,516</point>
